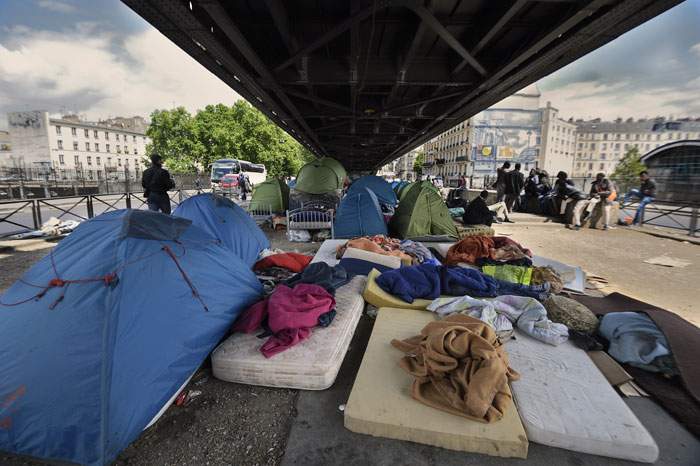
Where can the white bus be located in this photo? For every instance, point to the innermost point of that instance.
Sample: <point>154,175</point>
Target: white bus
<point>256,172</point>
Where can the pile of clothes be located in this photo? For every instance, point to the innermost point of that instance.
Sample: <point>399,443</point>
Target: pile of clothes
<point>303,300</point>
<point>410,252</point>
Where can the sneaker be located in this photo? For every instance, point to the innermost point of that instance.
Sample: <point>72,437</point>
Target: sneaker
<point>508,221</point>
<point>605,227</point>
<point>576,228</point>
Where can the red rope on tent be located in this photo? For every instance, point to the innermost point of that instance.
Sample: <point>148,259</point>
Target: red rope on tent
<point>195,293</point>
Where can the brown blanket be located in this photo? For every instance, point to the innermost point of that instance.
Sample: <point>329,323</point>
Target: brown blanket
<point>460,367</point>
<point>471,248</point>
<point>684,340</point>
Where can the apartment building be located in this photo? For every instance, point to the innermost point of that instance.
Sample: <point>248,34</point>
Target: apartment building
<point>558,147</point>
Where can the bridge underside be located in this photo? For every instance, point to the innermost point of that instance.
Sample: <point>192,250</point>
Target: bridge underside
<point>364,81</point>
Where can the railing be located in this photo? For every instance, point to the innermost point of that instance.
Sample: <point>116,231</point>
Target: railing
<point>17,216</point>
<point>683,216</point>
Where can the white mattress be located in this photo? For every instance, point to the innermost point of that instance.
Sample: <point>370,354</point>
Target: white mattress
<point>313,364</point>
<point>326,253</point>
<point>565,401</point>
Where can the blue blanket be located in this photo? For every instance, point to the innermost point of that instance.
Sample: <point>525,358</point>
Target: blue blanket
<point>428,281</point>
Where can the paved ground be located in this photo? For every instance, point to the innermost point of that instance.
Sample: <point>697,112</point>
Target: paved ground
<point>243,425</point>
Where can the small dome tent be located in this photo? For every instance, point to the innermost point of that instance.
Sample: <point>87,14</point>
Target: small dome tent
<point>316,178</point>
<point>422,212</point>
<point>122,313</point>
<point>337,167</point>
<point>359,214</point>
<point>380,187</point>
<point>271,195</point>
<point>226,221</point>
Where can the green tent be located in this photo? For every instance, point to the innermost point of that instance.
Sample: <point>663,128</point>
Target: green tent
<point>403,190</point>
<point>316,178</point>
<point>422,212</point>
<point>337,167</point>
<point>270,195</point>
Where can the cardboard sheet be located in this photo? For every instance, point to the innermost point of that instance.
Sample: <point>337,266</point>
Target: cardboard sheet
<point>381,405</point>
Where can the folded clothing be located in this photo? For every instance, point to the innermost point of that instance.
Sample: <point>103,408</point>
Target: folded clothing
<point>460,367</point>
<point>499,248</point>
<point>636,340</point>
<point>502,312</point>
<point>430,281</point>
<point>323,275</point>
<point>509,273</point>
<point>290,314</point>
<point>289,260</point>
<point>415,249</point>
<point>379,244</point>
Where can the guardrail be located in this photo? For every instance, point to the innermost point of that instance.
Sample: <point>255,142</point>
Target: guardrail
<point>683,216</point>
<point>17,216</point>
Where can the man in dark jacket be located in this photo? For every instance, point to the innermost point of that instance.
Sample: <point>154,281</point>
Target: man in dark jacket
<point>515,181</point>
<point>602,190</point>
<point>646,194</point>
<point>478,212</point>
<point>580,199</point>
<point>156,182</point>
<point>501,176</point>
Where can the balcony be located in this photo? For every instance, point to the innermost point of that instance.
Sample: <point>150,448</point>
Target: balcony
<point>462,158</point>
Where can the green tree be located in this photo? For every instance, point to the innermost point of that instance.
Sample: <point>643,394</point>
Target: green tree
<point>219,131</point>
<point>627,170</point>
<point>418,164</point>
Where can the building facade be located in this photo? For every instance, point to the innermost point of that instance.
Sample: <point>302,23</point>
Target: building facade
<point>401,168</point>
<point>558,148</point>
<point>601,144</point>
<point>447,155</point>
<point>69,145</point>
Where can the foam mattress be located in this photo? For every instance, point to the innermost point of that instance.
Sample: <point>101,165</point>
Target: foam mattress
<point>381,405</point>
<point>565,401</point>
<point>326,253</point>
<point>313,364</point>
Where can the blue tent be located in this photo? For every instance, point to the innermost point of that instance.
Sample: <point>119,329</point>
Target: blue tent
<point>99,335</point>
<point>225,220</point>
<point>399,184</point>
<point>359,215</point>
<point>379,186</point>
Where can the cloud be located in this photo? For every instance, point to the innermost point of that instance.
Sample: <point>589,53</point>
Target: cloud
<point>101,74</point>
<point>57,6</point>
<point>696,49</point>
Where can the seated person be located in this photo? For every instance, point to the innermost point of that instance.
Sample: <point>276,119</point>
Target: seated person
<point>478,212</point>
<point>646,194</point>
<point>572,194</point>
<point>602,190</point>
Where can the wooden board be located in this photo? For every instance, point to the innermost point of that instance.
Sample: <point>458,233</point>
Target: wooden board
<point>381,405</point>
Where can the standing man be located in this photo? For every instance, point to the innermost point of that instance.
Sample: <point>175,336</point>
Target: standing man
<point>156,182</point>
<point>646,194</point>
<point>515,180</point>
<point>501,176</point>
<point>602,190</point>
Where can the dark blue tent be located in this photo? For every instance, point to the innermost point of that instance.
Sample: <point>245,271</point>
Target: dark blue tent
<point>397,185</point>
<point>99,335</point>
<point>224,219</point>
<point>379,186</point>
<point>359,214</point>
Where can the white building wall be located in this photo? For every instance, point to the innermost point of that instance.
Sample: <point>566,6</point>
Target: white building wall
<point>28,138</point>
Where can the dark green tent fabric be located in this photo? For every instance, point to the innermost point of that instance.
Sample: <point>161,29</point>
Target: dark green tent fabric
<point>422,212</point>
<point>270,195</point>
<point>337,167</point>
<point>316,178</point>
<point>403,190</point>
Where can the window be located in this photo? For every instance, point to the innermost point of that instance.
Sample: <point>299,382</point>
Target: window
<point>87,146</point>
<point>604,146</point>
<point>126,149</point>
<point>106,135</point>
<point>617,136</point>
<point>617,146</point>
<point>602,166</point>
<point>109,161</point>
<point>87,132</point>
<point>119,150</point>
<point>144,139</point>
<point>134,138</point>
<point>75,145</point>
<point>76,160</point>
<point>90,174</point>
<point>590,166</point>
<point>97,147</point>
<point>98,161</point>
<point>605,136</point>
<point>61,160</point>
<point>119,162</point>
<point>628,136</point>
<point>89,160</point>
<point>636,137</point>
<point>99,175</point>
<point>58,130</point>
<point>136,150</point>
<point>593,145</point>
<point>94,133</point>
<point>59,143</point>
<point>74,131</point>
<point>117,137</point>
<point>107,147</point>
<point>602,156</point>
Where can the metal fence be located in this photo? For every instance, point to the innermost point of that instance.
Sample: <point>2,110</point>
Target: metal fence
<point>22,215</point>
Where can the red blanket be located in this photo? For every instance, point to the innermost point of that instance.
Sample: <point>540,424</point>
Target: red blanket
<point>289,260</point>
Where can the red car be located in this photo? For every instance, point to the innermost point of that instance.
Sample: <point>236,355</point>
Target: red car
<point>229,181</point>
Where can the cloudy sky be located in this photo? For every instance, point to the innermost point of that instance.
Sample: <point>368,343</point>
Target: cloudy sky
<point>98,58</point>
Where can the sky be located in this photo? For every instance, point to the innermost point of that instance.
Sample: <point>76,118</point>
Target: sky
<point>99,59</point>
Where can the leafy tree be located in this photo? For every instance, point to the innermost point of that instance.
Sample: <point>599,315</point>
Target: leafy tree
<point>219,131</point>
<point>418,164</point>
<point>627,170</point>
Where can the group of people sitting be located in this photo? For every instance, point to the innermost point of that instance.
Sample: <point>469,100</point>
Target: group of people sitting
<point>554,198</point>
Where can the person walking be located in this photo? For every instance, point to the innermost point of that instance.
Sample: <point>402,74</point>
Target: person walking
<point>515,181</point>
<point>156,182</point>
<point>500,184</point>
<point>646,194</point>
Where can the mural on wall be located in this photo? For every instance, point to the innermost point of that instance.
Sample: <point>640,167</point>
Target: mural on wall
<point>24,119</point>
<point>505,135</point>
